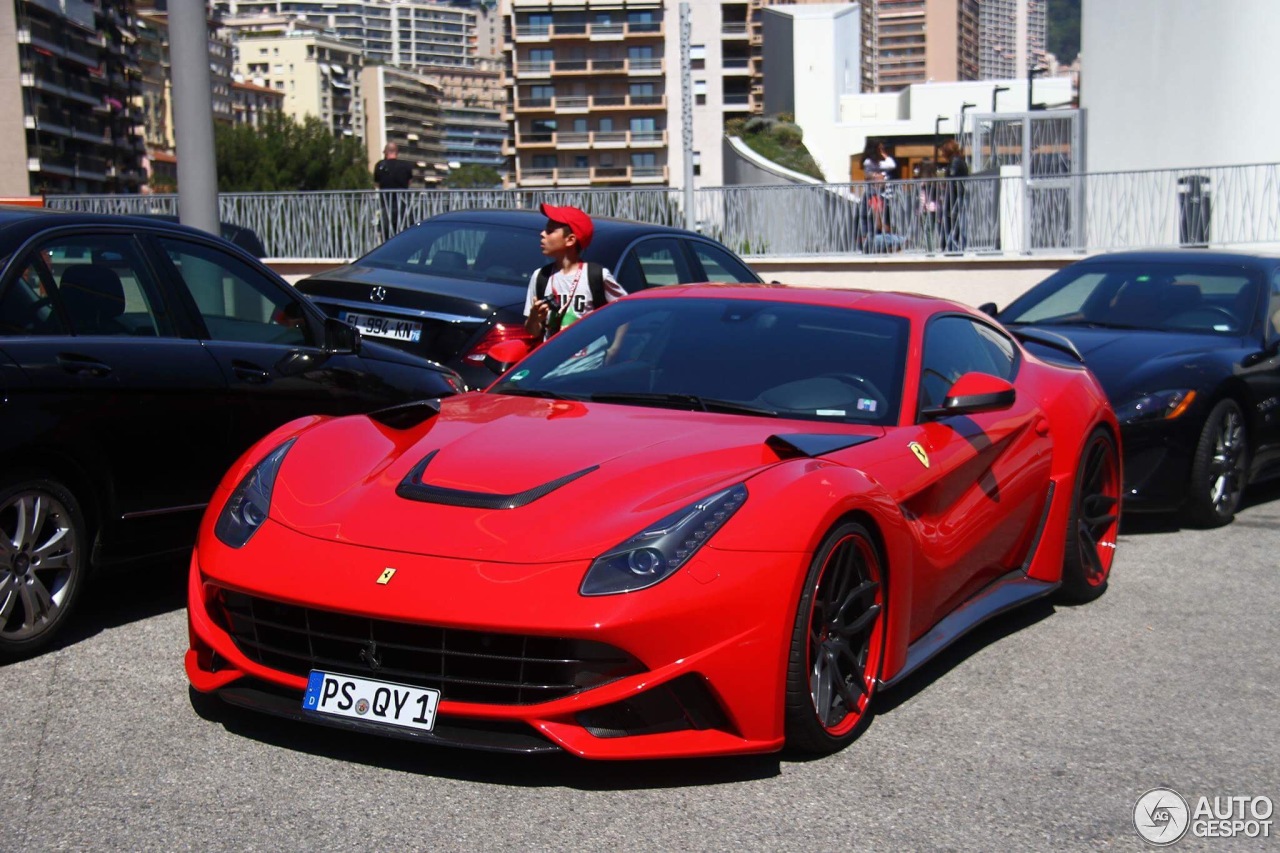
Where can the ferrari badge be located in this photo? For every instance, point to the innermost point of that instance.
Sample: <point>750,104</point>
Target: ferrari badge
<point>916,449</point>
<point>385,577</point>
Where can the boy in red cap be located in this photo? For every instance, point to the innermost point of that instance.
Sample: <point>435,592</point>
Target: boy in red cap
<point>568,288</point>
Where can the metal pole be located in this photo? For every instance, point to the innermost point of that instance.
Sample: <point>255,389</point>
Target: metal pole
<point>193,115</point>
<point>686,117</point>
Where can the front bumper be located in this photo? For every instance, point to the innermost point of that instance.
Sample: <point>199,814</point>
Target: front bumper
<point>711,642</point>
<point>1157,464</point>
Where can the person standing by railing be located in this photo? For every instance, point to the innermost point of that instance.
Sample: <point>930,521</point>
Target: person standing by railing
<point>955,223</point>
<point>392,175</point>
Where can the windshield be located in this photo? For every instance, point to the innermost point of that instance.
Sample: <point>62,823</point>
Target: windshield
<point>726,355</point>
<point>469,250</point>
<point>1190,297</point>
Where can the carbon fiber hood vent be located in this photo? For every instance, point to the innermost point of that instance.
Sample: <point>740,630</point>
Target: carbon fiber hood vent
<point>412,488</point>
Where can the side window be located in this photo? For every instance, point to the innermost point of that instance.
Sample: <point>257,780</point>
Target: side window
<point>99,282</point>
<point>954,346</point>
<point>236,301</point>
<point>653,263</point>
<point>719,265</point>
<point>1273,309</point>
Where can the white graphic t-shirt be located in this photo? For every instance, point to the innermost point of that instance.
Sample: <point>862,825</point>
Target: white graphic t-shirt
<point>571,293</point>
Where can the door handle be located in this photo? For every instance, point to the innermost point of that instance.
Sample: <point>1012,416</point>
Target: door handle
<point>82,365</point>
<point>249,372</point>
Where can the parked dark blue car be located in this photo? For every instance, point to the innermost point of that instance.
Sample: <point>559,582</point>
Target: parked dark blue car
<point>1187,345</point>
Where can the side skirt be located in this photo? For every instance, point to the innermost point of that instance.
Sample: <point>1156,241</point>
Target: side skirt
<point>1012,590</point>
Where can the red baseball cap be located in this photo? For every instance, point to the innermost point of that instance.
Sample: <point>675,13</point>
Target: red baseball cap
<point>579,223</point>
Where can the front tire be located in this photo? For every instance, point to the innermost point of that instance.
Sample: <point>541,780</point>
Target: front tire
<point>1094,521</point>
<point>1218,468</point>
<point>837,643</point>
<point>43,563</point>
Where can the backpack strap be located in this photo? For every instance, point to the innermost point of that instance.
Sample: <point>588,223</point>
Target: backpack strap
<point>595,279</point>
<point>544,276</point>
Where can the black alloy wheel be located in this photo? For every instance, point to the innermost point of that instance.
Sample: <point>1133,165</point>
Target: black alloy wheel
<point>1094,521</point>
<point>837,643</point>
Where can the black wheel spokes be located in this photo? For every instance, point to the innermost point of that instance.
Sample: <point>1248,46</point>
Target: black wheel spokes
<point>1098,510</point>
<point>1227,466</point>
<point>844,615</point>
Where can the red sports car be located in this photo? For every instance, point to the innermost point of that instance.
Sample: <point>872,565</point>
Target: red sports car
<point>702,520</point>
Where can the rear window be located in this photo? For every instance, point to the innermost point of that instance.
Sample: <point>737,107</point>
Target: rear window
<point>469,250</point>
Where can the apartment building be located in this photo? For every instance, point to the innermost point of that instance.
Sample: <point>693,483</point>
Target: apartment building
<point>404,107</point>
<point>405,33</point>
<point>317,74</point>
<point>157,83</point>
<point>923,41</point>
<point>473,100</point>
<point>1013,37</point>
<point>251,103</point>
<point>70,77</point>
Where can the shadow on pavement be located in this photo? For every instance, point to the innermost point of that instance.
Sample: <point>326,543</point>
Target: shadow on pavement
<point>125,595</point>
<point>1140,523</point>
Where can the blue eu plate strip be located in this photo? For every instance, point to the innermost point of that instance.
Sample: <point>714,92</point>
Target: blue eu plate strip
<point>311,700</point>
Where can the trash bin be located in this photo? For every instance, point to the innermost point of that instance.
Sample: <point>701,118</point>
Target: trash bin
<point>1194,208</point>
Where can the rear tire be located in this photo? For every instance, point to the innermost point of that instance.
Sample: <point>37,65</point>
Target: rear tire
<point>44,557</point>
<point>1218,468</point>
<point>837,643</point>
<point>1094,521</point>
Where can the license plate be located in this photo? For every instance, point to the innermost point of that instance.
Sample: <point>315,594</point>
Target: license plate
<point>371,701</point>
<point>384,327</point>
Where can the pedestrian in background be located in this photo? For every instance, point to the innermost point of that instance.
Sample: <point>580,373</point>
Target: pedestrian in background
<point>954,215</point>
<point>391,174</point>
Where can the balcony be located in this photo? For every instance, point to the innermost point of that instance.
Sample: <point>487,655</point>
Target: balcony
<point>734,31</point>
<point>527,69</point>
<point>594,175</point>
<point>586,103</point>
<point>526,34</point>
<point>603,139</point>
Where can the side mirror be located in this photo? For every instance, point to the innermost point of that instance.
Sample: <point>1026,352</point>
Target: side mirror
<point>501,357</point>
<point>340,338</point>
<point>988,308</point>
<point>971,394</point>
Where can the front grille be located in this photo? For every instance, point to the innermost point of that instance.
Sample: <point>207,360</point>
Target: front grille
<point>466,666</point>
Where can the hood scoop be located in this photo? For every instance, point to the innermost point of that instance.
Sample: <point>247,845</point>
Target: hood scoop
<point>407,415</point>
<point>812,444</point>
<point>414,489</point>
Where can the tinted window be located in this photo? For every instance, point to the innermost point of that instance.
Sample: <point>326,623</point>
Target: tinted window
<point>236,301</point>
<point>796,361</point>
<point>1273,311</point>
<point>719,265</point>
<point>654,263</point>
<point>102,288</point>
<point>1191,297</point>
<point>954,346</point>
<point>463,250</point>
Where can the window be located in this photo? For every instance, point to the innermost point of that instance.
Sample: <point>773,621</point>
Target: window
<point>237,302</point>
<point>653,263</point>
<point>719,265</point>
<point>580,161</point>
<point>541,56</point>
<point>579,125</point>
<point>697,163</point>
<point>644,160</point>
<point>606,125</point>
<point>544,161</point>
<point>541,95</point>
<point>954,346</point>
<point>102,287</point>
<point>699,91</point>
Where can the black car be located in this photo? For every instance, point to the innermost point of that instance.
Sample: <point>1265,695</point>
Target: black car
<point>1187,345</point>
<point>138,359</point>
<point>452,286</point>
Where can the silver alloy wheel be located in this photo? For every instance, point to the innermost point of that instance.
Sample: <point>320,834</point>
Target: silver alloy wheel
<point>1227,466</point>
<point>39,556</point>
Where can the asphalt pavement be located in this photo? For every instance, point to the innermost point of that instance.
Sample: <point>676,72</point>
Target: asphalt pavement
<point>1037,732</point>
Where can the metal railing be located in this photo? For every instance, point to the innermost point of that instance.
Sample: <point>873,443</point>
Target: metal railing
<point>1004,213</point>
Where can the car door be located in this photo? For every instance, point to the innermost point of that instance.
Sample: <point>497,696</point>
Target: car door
<point>105,379</point>
<point>984,478</point>
<point>268,343</point>
<point>1263,377</point>
<point>654,262</point>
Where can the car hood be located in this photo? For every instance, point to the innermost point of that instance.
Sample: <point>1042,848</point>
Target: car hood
<point>468,296</point>
<point>1133,361</point>
<point>588,475</point>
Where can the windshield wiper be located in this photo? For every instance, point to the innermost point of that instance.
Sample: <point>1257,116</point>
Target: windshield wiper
<point>682,401</point>
<point>1087,324</point>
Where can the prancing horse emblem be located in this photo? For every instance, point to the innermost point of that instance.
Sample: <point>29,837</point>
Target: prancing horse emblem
<point>385,577</point>
<point>369,654</point>
<point>378,294</point>
<point>920,453</point>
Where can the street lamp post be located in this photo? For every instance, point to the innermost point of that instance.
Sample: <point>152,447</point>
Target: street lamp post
<point>995,93</point>
<point>1032,74</point>
<point>937,132</point>
<point>964,107</point>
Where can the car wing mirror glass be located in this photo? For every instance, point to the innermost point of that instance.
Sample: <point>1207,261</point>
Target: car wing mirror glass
<point>340,338</point>
<point>988,308</point>
<point>972,394</point>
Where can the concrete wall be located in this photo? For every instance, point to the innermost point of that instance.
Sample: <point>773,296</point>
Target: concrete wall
<point>1178,83</point>
<point>15,180</point>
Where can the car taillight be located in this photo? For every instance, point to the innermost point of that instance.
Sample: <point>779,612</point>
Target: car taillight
<point>497,334</point>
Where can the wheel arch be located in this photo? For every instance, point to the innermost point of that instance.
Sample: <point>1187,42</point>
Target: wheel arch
<point>91,489</point>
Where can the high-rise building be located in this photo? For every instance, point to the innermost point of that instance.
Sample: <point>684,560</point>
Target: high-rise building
<point>404,107</point>
<point>71,79</point>
<point>405,33</point>
<point>1012,37</point>
<point>472,101</point>
<point>922,41</point>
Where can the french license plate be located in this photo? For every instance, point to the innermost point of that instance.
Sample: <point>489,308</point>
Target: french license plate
<point>384,327</point>
<point>371,701</point>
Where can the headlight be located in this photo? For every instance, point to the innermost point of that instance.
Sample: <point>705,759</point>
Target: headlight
<point>247,507</point>
<point>1162,405</point>
<point>656,552</point>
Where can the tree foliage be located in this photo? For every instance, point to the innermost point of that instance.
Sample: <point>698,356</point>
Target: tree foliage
<point>472,176</point>
<point>284,155</point>
<point>1063,29</point>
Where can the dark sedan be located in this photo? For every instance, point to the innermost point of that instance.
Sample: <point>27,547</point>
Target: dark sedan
<point>1187,345</point>
<point>452,286</point>
<point>138,359</point>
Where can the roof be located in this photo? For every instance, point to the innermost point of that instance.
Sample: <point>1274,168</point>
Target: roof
<point>912,305</point>
<point>1183,256</point>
